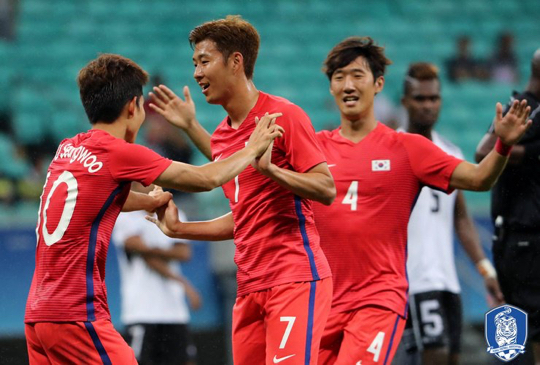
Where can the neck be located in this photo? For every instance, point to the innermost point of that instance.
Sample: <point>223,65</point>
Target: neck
<point>242,100</point>
<point>534,87</point>
<point>117,129</point>
<point>356,129</point>
<point>416,129</point>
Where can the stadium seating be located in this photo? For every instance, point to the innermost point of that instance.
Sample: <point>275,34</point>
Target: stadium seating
<point>55,39</point>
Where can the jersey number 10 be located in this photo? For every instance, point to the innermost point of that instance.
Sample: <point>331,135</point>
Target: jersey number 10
<point>67,210</point>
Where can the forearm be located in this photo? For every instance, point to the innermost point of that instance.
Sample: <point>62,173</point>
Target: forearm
<point>138,201</point>
<point>469,238</point>
<point>162,268</point>
<point>207,177</point>
<point>200,137</point>
<point>314,185</point>
<point>218,229</point>
<point>488,142</point>
<point>180,252</point>
<point>480,177</point>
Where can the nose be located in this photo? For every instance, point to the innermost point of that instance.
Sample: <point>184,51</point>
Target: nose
<point>348,84</point>
<point>198,74</point>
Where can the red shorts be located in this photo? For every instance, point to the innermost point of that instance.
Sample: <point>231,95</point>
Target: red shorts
<point>368,335</point>
<point>76,343</point>
<point>281,324</point>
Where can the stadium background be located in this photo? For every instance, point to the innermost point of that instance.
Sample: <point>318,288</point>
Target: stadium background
<point>49,41</point>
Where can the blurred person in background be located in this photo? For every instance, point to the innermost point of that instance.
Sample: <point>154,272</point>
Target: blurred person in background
<point>284,282</point>
<point>515,211</point>
<point>154,291</point>
<point>433,331</point>
<point>463,66</point>
<point>503,64</point>
<point>163,137</point>
<point>379,173</point>
<point>87,185</point>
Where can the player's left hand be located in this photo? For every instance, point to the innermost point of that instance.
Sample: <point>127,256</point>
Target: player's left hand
<point>494,290</point>
<point>263,164</point>
<point>160,198</point>
<point>514,124</point>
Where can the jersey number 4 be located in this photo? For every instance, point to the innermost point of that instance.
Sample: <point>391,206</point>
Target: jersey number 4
<point>352,196</point>
<point>67,211</point>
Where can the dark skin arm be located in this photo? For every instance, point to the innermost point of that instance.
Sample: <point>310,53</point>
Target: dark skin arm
<point>468,236</point>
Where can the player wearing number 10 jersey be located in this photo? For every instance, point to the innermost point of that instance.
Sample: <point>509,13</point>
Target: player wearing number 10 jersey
<point>88,184</point>
<point>378,174</point>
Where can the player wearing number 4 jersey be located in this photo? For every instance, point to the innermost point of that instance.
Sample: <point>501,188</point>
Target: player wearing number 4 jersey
<point>88,184</point>
<point>284,284</point>
<point>378,174</point>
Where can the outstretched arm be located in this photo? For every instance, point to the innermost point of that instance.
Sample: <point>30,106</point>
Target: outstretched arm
<point>509,130</point>
<point>468,236</point>
<point>190,178</point>
<point>141,201</point>
<point>218,229</point>
<point>181,113</point>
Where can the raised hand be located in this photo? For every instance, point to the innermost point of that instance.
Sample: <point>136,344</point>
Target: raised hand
<point>514,124</point>
<point>178,112</point>
<point>263,163</point>
<point>265,132</point>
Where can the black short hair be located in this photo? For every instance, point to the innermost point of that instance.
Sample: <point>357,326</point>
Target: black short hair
<point>107,83</point>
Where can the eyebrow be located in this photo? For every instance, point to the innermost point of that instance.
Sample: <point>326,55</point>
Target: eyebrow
<point>350,71</point>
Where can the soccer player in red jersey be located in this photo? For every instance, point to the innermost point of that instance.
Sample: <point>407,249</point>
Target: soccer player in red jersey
<point>379,174</point>
<point>88,184</point>
<point>284,283</point>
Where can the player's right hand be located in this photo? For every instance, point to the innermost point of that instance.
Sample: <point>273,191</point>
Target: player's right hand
<point>178,112</point>
<point>265,132</point>
<point>166,218</point>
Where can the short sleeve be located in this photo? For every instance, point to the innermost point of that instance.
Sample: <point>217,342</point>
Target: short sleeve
<point>299,140</point>
<point>133,162</point>
<point>125,228</point>
<point>430,164</point>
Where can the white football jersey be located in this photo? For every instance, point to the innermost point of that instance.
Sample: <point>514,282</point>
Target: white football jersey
<point>146,296</point>
<point>430,261</point>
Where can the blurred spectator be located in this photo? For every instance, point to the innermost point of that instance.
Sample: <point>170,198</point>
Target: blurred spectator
<point>154,291</point>
<point>464,66</point>
<point>162,137</point>
<point>503,63</point>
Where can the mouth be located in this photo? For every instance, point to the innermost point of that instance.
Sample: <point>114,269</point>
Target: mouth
<point>204,87</point>
<point>350,100</point>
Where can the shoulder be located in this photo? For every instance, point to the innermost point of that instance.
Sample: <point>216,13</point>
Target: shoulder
<point>278,104</point>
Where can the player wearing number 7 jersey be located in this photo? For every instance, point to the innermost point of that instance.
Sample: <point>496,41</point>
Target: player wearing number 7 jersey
<point>378,174</point>
<point>88,184</point>
<point>284,283</point>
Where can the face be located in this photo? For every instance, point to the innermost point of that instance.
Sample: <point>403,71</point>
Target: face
<point>211,72</point>
<point>423,103</point>
<point>354,88</point>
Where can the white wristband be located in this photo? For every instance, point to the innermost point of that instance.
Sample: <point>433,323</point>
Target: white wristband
<point>486,269</point>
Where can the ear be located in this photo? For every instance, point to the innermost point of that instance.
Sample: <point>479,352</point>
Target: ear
<point>379,84</point>
<point>237,60</point>
<point>131,107</point>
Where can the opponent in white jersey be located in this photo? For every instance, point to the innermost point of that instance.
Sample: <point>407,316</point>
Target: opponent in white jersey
<point>153,291</point>
<point>433,331</point>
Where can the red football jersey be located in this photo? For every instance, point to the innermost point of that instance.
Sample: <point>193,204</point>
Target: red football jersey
<point>87,184</point>
<point>275,235</point>
<point>364,232</point>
